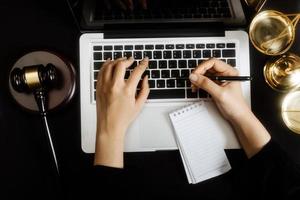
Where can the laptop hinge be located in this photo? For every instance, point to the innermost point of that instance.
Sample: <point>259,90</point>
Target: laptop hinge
<point>164,30</point>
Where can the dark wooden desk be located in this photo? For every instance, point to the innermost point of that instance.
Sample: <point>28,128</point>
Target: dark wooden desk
<point>25,167</point>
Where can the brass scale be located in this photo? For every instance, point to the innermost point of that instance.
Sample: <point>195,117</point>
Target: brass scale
<point>273,33</point>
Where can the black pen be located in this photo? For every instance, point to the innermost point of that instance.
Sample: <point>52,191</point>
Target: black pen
<point>222,78</point>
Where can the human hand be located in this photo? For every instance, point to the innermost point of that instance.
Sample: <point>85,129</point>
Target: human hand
<point>117,103</point>
<point>227,96</point>
<point>117,106</point>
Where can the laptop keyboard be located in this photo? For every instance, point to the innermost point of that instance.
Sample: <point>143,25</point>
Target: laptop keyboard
<point>166,63</point>
<point>158,9</point>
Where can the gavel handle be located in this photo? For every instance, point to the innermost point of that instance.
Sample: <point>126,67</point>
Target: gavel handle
<point>40,97</point>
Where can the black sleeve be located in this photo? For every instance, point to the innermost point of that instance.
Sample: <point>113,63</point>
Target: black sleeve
<point>270,173</point>
<point>113,182</point>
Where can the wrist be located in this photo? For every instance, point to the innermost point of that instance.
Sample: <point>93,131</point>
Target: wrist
<point>109,149</point>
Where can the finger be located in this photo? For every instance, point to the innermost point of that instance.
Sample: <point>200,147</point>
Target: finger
<point>102,71</point>
<point>205,84</point>
<point>213,65</point>
<point>109,68</point>
<point>137,73</point>
<point>144,92</point>
<point>120,69</point>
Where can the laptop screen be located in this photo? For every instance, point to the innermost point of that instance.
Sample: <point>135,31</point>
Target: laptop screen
<point>159,9</point>
<point>92,14</point>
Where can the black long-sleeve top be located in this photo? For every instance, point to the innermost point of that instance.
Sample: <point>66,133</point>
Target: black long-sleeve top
<point>267,175</point>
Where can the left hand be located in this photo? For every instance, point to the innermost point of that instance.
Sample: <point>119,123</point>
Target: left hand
<point>117,106</point>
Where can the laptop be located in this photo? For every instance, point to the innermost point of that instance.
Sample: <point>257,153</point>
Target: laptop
<point>176,35</point>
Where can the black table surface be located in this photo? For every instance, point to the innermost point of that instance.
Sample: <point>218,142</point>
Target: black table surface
<point>25,160</point>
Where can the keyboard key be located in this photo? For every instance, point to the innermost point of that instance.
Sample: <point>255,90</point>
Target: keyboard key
<point>139,47</point>
<point>134,64</point>
<point>221,45</point>
<point>170,83</point>
<point>167,94</point>
<point>165,73</point>
<point>206,53</point>
<point>197,54</point>
<point>138,55</point>
<point>162,64</point>
<point>179,46</point>
<point>117,54</point>
<point>107,55</point>
<point>192,63</point>
<point>146,72</point>
<point>230,45</point>
<point>175,73</point>
<point>185,73</point>
<point>127,54</point>
<point>180,83</point>
<point>148,54</point>
<point>152,64</point>
<point>160,83</point>
<point>155,74</point>
<point>172,64</point>
<point>95,85</point>
<point>169,46</point>
<point>216,53</point>
<point>97,48</point>
<point>149,47</point>
<point>98,65</point>
<point>182,64</point>
<point>231,62</point>
<point>159,46</point>
<point>228,53</point>
<point>176,54</point>
<point>151,83</point>
<point>97,56</point>
<point>128,47</point>
<point>96,75</point>
<point>127,74</point>
<point>200,46</point>
<point>190,46</point>
<point>188,83</point>
<point>190,94</point>
<point>167,54</point>
<point>157,55</point>
<point>108,48</point>
<point>118,47</point>
<point>210,46</point>
<point>187,54</point>
<point>200,61</point>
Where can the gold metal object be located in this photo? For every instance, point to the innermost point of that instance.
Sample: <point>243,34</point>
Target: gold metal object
<point>32,77</point>
<point>272,32</point>
<point>256,4</point>
<point>283,73</point>
<point>290,111</point>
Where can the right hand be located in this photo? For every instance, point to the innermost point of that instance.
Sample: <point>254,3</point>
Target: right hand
<point>227,96</point>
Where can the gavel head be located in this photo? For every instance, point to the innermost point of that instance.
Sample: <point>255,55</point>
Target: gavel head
<point>32,78</point>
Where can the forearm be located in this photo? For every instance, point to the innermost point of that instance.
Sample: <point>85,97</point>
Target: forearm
<point>251,133</point>
<point>109,151</point>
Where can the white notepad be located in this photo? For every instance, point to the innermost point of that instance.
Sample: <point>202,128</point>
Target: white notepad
<point>200,147</point>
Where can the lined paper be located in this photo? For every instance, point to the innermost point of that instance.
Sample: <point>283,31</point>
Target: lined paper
<point>201,151</point>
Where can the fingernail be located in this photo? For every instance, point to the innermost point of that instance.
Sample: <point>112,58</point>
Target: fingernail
<point>193,77</point>
<point>146,59</point>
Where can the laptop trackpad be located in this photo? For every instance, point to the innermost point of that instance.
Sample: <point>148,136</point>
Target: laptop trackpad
<point>155,128</point>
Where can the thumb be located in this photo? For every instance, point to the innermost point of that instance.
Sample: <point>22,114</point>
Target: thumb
<point>206,84</point>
